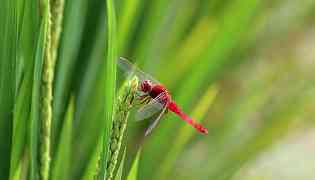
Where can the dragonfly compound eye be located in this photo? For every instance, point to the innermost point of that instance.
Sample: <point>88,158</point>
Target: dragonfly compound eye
<point>146,86</point>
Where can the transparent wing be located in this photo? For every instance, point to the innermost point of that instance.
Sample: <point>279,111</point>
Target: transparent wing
<point>155,122</point>
<point>130,69</point>
<point>153,107</point>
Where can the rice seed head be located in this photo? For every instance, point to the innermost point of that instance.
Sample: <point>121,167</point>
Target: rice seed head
<point>125,101</point>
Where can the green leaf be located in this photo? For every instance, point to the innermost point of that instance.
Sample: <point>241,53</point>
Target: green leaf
<point>35,106</point>
<point>130,14</point>
<point>92,170</point>
<point>21,116</point>
<point>74,21</point>
<point>121,167</point>
<point>110,81</point>
<point>8,56</point>
<point>153,23</point>
<point>133,173</point>
<point>90,90</point>
<point>62,162</point>
<point>25,66</point>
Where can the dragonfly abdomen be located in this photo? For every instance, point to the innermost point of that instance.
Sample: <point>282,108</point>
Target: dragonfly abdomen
<point>172,106</point>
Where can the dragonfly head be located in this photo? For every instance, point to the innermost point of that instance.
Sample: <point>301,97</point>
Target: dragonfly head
<point>146,86</point>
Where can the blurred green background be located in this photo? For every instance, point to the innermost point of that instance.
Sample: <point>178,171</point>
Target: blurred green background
<point>245,68</point>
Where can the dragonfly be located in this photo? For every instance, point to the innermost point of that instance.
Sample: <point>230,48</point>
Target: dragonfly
<point>156,98</point>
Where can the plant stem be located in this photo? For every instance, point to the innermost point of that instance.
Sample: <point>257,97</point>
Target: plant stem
<point>53,12</point>
<point>57,10</point>
<point>46,96</point>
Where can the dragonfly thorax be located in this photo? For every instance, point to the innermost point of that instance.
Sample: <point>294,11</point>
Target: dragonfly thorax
<point>153,90</point>
<point>158,90</point>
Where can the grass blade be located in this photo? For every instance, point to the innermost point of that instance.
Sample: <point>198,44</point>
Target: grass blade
<point>8,56</point>
<point>110,81</point>
<point>199,36</point>
<point>129,17</point>
<point>67,59</point>
<point>93,168</point>
<point>152,22</point>
<point>35,105</point>
<point>61,162</point>
<point>121,167</point>
<point>91,91</point>
<point>27,27</point>
<point>133,173</point>
<point>20,120</point>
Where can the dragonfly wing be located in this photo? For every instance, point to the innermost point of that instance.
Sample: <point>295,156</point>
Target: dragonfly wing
<point>130,69</point>
<point>155,122</point>
<point>153,107</point>
<point>148,111</point>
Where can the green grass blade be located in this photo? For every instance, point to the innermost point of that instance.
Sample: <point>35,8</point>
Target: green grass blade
<point>110,81</point>
<point>61,162</point>
<point>19,66</point>
<point>214,59</point>
<point>27,27</point>
<point>75,13</point>
<point>186,57</point>
<point>35,106</point>
<point>20,120</point>
<point>87,84</point>
<point>8,56</point>
<point>121,167</point>
<point>181,15</point>
<point>91,92</point>
<point>133,173</point>
<point>152,22</point>
<point>93,168</point>
<point>130,12</point>
<point>87,95</point>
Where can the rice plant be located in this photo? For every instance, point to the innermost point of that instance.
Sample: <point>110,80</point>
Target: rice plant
<point>242,68</point>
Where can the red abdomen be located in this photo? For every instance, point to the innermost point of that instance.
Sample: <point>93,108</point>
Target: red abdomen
<point>172,106</point>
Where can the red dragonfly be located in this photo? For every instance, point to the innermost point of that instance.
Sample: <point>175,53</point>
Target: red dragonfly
<point>157,98</point>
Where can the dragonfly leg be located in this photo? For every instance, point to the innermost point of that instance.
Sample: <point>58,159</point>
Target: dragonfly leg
<point>144,99</point>
<point>141,97</point>
<point>156,121</point>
